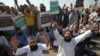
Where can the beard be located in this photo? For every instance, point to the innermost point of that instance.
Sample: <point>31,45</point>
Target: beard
<point>67,39</point>
<point>33,47</point>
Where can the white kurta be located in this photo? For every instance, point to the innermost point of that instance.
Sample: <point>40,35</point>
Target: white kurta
<point>38,52</point>
<point>67,49</point>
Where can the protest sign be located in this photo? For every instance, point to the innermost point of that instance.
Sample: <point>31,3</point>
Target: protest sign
<point>45,19</point>
<point>54,7</point>
<point>79,5</point>
<point>20,22</point>
<point>6,23</point>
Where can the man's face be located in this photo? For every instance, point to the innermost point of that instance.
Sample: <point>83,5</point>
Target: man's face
<point>75,27</point>
<point>87,27</point>
<point>8,10</point>
<point>33,42</point>
<point>33,45</point>
<point>67,35</point>
<point>28,9</point>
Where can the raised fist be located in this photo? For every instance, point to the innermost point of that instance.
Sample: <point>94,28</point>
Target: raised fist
<point>14,42</point>
<point>15,1</point>
<point>53,25</point>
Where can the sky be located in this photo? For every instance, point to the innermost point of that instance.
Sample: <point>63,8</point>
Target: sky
<point>47,2</point>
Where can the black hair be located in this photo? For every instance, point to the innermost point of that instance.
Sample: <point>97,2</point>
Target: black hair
<point>40,30</point>
<point>17,28</point>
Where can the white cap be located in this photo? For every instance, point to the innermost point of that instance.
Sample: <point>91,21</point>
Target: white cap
<point>32,38</point>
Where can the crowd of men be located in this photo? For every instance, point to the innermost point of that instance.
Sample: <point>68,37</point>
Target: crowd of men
<point>71,31</point>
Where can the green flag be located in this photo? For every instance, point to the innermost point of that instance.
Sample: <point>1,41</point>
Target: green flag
<point>54,7</point>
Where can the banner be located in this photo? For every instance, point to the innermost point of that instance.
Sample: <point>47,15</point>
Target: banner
<point>45,19</point>
<point>6,23</point>
<point>20,22</point>
<point>54,7</point>
<point>79,5</point>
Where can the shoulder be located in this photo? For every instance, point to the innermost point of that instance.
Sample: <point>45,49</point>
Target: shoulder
<point>41,45</point>
<point>26,47</point>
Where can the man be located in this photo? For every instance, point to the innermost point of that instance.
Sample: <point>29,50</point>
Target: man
<point>42,33</point>
<point>96,20</point>
<point>73,17</point>
<point>32,49</point>
<point>42,8</point>
<point>8,11</point>
<point>1,9</point>
<point>65,18</point>
<point>22,37</point>
<point>85,16</point>
<point>29,14</point>
<point>66,43</point>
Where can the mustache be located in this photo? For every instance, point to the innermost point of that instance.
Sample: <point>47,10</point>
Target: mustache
<point>67,39</point>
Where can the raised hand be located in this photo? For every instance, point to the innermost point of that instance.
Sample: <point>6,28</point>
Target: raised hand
<point>64,5</point>
<point>14,42</point>
<point>45,39</point>
<point>16,1</point>
<point>27,0</point>
<point>54,25</point>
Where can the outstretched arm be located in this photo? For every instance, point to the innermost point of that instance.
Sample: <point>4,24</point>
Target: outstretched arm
<point>83,36</point>
<point>15,43</point>
<point>32,7</point>
<point>29,2</point>
<point>56,33</point>
<point>16,2</point>
<point>64,6</point>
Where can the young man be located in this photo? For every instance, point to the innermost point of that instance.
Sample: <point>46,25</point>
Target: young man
<point>32,49</point>
<point>66,43</point>
<point>8,11</point>
<point>29,14</point>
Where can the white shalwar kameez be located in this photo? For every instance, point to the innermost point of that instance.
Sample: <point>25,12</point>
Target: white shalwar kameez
<point>27,50</point>
<point>67,49</point>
